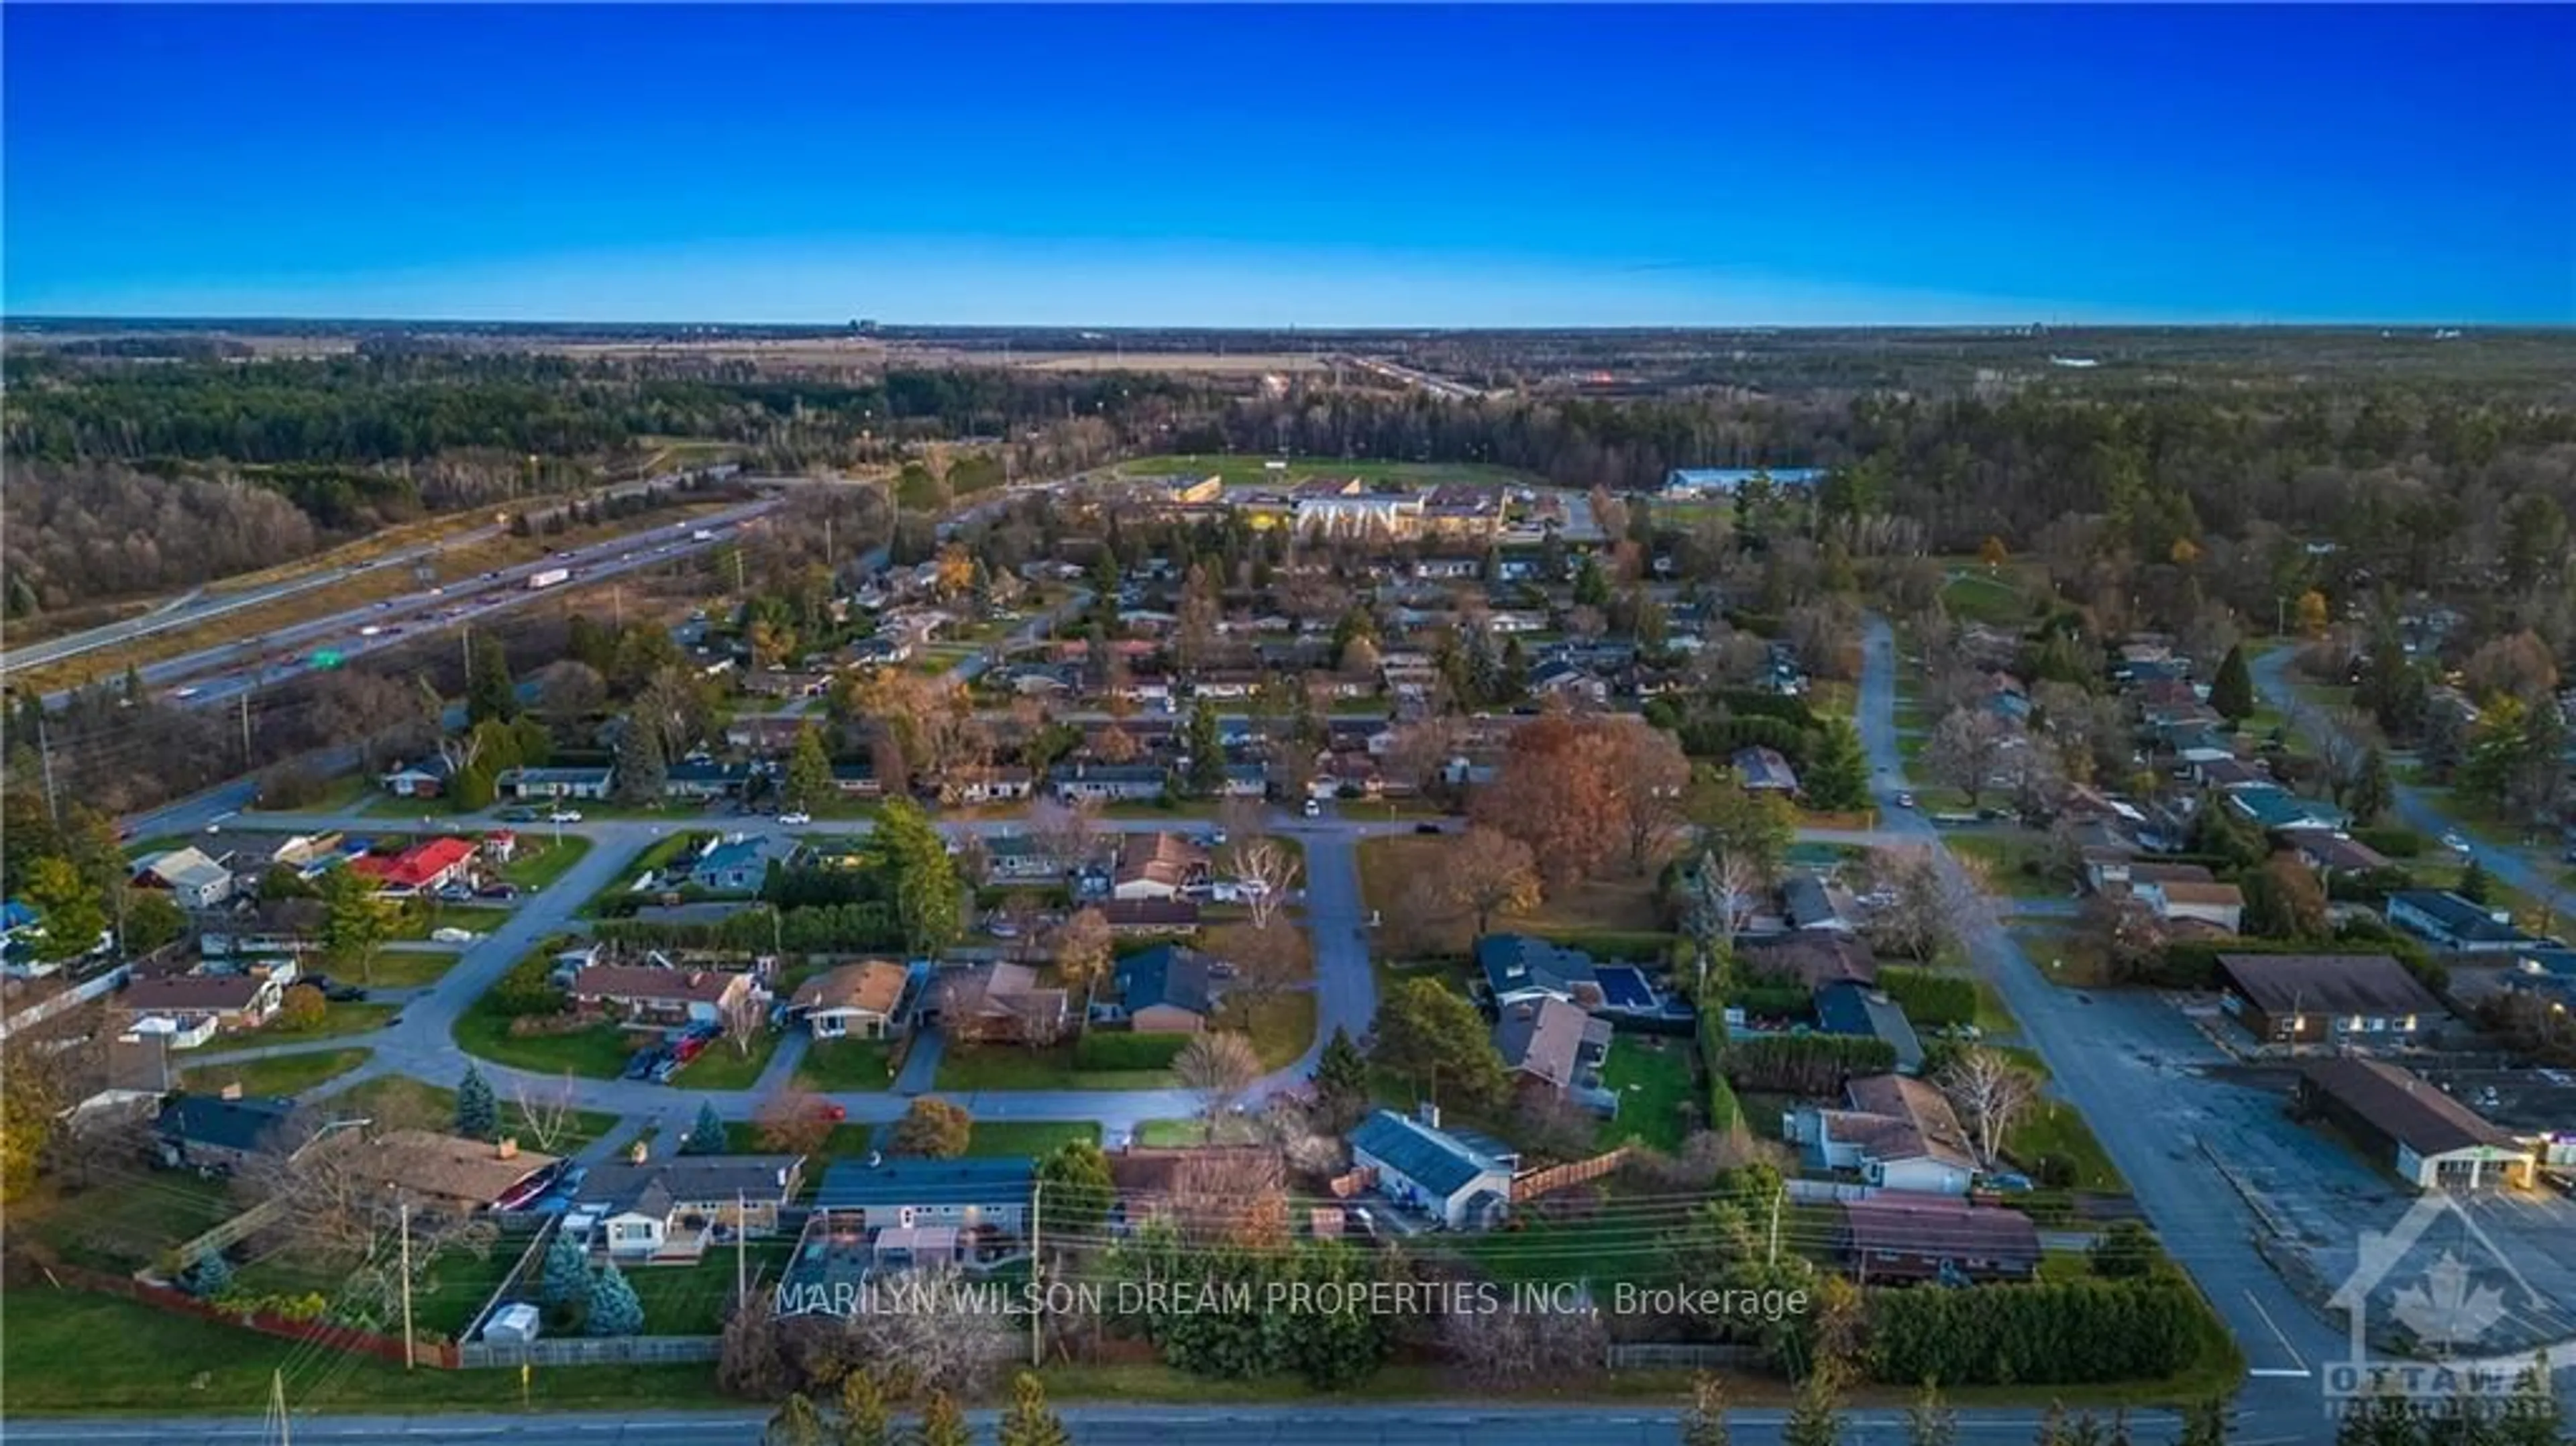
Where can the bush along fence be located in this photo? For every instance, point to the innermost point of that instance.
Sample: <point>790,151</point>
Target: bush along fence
<point>266,1317</point>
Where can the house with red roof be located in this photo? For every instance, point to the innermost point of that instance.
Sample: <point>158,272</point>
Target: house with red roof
<point>420,868</point>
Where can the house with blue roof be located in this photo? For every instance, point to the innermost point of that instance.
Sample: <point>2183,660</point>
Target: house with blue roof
<point>1860,1011</point>
<point>2447,921</point>
<point>2271,806</point>
<point>919,1212</point>
<point>1518,967</point>
<point>1163,990</point>
<point>1463,1184</point>
<point>736,865</point>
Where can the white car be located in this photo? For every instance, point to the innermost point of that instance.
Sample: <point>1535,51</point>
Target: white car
<point>1314,809</point>
<point>2455,843</point>
<point>564,815</point>
<point>451,936</point>
<point>791,820</point>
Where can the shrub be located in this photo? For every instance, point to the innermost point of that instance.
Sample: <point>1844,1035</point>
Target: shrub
<point>2043,1333</point>
<point>1931,998</point>
<point>2394,840</point>
<point>1118,1050</point>
<point>1804,1064</point>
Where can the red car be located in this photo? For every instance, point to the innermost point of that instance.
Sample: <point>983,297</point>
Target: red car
<point>688,1049</point>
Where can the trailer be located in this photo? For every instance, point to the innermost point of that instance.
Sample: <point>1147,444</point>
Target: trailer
<point>549,578</point>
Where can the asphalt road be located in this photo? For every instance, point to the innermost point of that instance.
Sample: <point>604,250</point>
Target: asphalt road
<point>1302,1425</point>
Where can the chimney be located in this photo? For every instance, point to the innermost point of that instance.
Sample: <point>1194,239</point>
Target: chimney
<point>508,1149</point>
<point>232,1091</point>
<point>1429,1113</point>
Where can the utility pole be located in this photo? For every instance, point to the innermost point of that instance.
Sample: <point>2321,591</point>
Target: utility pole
<point>245,722</point>
<point>277,1407</point>
<point>45,755</point>
<point>406,1284</point>
<point>1775,1223</point>
<point>741,1261</point>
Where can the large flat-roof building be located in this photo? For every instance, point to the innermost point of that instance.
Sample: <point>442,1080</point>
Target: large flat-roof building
<point>2313,998</point>
<point>2431,1140</point>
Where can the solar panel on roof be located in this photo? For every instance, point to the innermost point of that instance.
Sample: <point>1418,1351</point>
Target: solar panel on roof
<point>1624,988</point>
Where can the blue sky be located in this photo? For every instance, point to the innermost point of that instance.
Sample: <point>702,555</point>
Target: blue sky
<point>1317,166</point>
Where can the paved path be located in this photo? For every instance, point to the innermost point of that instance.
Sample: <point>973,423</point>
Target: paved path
<point>2103,1059</point>
<point>2528,870</point>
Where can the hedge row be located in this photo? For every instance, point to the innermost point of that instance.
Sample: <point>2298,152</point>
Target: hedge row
<point>2044,1333</point>
<point>1931,998</point>
<point>1804,1064</point>
<point>1723,1111</point>
<point>1113,1050</point>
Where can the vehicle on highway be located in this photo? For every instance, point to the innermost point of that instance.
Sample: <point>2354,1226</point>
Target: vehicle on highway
<point>369,631</point>
<point>564,815</point>
<point>183,694</point>
<point>795,818</point>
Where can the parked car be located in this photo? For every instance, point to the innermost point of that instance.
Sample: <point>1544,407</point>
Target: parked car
<point>795,818</point>
<point>1426,828</point>
<point>688,1049</point>
<point>497,891</point>
<point>564,815</point>
<point>641,1066</point>
<point>1905,800</point>
<point>452,936</point>
<point>517,814</point>
<point>2455,843</point>
<point>663,1069</point>
<point>456,893</point>
<point>1314,809</point>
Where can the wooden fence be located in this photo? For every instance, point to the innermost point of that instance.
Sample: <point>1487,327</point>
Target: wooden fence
<point>320,1333</point>
<point>588,1351</point>
<point>1676,1356</point>
<point>230,1232</point>
<point>1562,1177</point>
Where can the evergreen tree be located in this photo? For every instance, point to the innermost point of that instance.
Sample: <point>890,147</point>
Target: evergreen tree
<point>1930,1421</point>
<point>1028,1422</point>
<point>864,1421</point>
<point>1591,587</point>
<point>2475,885</point>
<point>1207,751</point>
<point>1341,1083</point>
<point>707,1136</point>
<point>809,771</point>
<point>566,1272</point>
<point>2371,794</point>
<point>2205,1423</point>
<point>943,1423</point>
<point>1704,1424</point>
<point>642,769</point>
<point>2231,693</point>
<point>1837,776</point>
<point>796,1423</point>
<point>134,685</point>
<point>208,1276</point>
<point>614,1310</point>
<point>925,877</point>
<point>1078,1189</point>
<point>2531,1417</point>
<point>1814,1421</point>
<point>478,1114</point>
<point>489,690</point>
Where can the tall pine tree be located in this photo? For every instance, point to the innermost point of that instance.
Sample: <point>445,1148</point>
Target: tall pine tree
<point>1341,1083</point>
<point>707,1136</point>
<point>1028,1422</point>
<point>478,1114</point>
<point>2231,693</point>
<point>489,689</point>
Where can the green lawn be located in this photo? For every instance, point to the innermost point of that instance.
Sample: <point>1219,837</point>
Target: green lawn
<point>597,1052</point>
<point>1977,597</point>
<point>966,1068</point>
<point>397,1102</point>
<point>1028,1137</point>
<point>649,858</point>
<point>176,1365</point>
<point>283,1074</point>
<point>338,795</point>
<point>1177,1134</point>
<point>722,1067</point>
<point>540,860</point>
<point>2010,859</point>
<point>2055,1130</point>
<point>406,968</point>
<point>833,1066</point>
<point>1652,1076</point>
<point>1281,1026</point>
<point>431,915</point>
<point>337,1020</point>
<point>121,1223</point>
<point>693,1300</point>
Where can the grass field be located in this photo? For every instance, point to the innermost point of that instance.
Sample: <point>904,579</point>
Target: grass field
<point>429,917</point>
<point>2009,859</point>
<point>1032,1138</point>
<point>833,1066</point>
<point>722,1067</point>
<point>283,1074</point>
<point>1652,1076</point>
<point>1011,1067</point>
<point>693,1300</point>
<point>337,1020</point>
<point>2053,1130</point>
<point>122,1221</point>
<point>407,968</point>
<point>539,861</point>
<point>1178,1134</point>
<point>598,1052</point>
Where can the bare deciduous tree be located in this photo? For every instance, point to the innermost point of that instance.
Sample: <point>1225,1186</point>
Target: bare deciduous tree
<point>1265,870</point>
<point>1967,749</point>
<point>1067,832</point>
<point>1990,1092</point>
<point>545,1113</point>
<point>1082,945</point>
<point>792,1122</point>
<point>1488,872</point>
<point>1501,1349</point>
<point>1219,1068</point>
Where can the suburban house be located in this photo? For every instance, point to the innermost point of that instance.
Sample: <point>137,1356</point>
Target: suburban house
<point>1562,678</point>
<point>1892,1238</point>
<point>425,779</point>
<point>554,783</point>
<point>421,868</point>
<point>2271,806</point>
<point>856,780</point>
<point>2322,998</point>
<point>447,1173</point>
<point>1157,866</point>
<point>1814,958</point>
<point>1763,770</point>
<point>738,865</point>
<point>907,1212</point>
<point>1552,1043</point>
<point>194,880</point>
<point>2220,905</point>
<point>1227,1193</point>
<point>994,785</point>
<point>672,1209</point>
<point>1151,916</point>
<point>1161,990</point>
<point>1518,967</point>
<point>2332,853</point>
<point>1859,1011</point>
<point>2432,1140</point>
<point>765,733</point>
<point>698,778</point>
<point>193,1008</point>
<point>992,1003</point>
<point>1811,905</point>
<point>2447,921</point>
<point>646,994</point>
<point>1897,1133</point>
<point>224,1132</point>
<point>854,1001</point>
<point>1106,782</point>
<point>1464,1183</point>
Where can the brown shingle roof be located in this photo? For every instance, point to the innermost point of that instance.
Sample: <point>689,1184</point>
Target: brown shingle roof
<point>643,981</point>
<point>191,993</point>
<point>2371,984</point>
<point>1815,958</point>
<point>444,1169</point>
<point>1932,1127</point>
<point>1543,1037</point>
<point>874,986</point>
<point>2404,1105</point>
<point>1941,1228</point>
